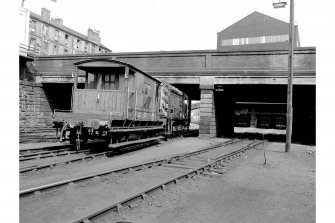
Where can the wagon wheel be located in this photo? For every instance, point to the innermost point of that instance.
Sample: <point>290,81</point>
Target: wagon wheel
<point>78,142</point>
<point>79,139</point>
<point>63,132</point>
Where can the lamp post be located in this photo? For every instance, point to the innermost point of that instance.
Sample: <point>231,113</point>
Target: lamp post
<point>289,114</point>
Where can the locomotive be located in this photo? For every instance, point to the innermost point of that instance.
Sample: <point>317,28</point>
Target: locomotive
<point>120,105</point>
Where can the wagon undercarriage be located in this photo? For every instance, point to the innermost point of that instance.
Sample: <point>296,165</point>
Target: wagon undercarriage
<point>114,132</point>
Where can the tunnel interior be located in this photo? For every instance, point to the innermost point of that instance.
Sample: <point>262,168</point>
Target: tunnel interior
<point>272,101</point>
<point>192,90</point>
<point>224,112</point>
<point>58,95</point>
<point>266,99</point>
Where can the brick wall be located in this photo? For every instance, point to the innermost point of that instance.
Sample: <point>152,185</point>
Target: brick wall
<point>34,107</point>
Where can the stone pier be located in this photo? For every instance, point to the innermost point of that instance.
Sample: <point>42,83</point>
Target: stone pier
<point>207,124</point>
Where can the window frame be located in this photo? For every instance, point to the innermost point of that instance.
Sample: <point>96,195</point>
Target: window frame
<point>45,31</point>
<point>32,28</point>
<point>56,35</point>
<point>32,40</point>
<point>109,82</point>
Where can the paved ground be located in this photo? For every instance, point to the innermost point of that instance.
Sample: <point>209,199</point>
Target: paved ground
<point>260,131</point>
<point>283,190</point>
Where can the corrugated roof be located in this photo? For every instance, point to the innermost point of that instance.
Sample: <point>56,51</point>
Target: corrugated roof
<point>65,29</point>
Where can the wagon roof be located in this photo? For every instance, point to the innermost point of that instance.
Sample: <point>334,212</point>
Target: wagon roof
<point>91,63</point>
<point>173,88</point>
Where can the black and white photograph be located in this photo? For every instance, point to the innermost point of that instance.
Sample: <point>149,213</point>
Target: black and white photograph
<point>136,111</point>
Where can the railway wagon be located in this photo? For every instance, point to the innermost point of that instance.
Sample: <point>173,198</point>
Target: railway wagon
<point>117,103</point>
<point>176,110</point>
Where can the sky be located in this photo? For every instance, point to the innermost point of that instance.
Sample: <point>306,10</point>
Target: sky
<point>155,25</point>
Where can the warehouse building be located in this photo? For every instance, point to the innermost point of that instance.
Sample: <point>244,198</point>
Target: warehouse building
<point>256,31</point>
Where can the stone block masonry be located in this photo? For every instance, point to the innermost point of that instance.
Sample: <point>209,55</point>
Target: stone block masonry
<point>34,107</point>
<point>207,124</point>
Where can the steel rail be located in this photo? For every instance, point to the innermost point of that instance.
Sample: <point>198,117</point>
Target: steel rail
<point>133,146</point>
<point>43,149</point>
<point>42,153</point>
<point>51,154</point>
<point>49,165</point>
<point>124,169</point>
<point>51,149</point>
<point>143,194</point>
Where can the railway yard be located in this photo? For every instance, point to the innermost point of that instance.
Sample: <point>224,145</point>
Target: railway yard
<point>163,135</point>
<point>184,179</point>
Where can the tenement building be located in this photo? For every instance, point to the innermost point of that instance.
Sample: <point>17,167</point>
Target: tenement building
<point>48,36</point>
<point>256,31</point>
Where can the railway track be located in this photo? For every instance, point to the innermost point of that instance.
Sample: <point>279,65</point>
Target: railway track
<point>47,154</point>
<point>48,151</point>
<point>120,188</point>
<point>215,165</point>
<point>129,169</point>
<point>42,155</point>
<point>146,143</point>
<point>32,151</point>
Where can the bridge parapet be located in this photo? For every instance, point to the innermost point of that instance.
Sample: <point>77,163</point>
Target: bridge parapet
<point>186,67</point>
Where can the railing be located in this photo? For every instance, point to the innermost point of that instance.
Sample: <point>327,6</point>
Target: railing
<point>25,50</point>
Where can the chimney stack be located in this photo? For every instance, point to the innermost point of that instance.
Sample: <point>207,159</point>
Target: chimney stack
<point>58,20</point>
<point>45,14</point>
<point>93,35</point>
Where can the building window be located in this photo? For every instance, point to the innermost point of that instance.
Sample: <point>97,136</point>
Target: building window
<point>86,48</point>
<point>227,42</point>
<point>66,37</point>
<point>45,46</point>
<point>255,40</point>
<point>78,43</point>
<point>45,30</point>
<point>32,43</point>
<point>235,42</point>
<point>55,49</point>
<point>32,26</point>
<point>56,35</point>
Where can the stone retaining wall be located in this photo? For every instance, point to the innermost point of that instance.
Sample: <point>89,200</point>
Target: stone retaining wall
<point>34,107</point>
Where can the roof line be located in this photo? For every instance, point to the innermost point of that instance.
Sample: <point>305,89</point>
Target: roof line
<point>77,64</point>
<point>65,29</point>
<point>250,15</point>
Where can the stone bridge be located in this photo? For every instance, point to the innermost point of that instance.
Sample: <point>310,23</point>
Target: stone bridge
<point>245,76</point>
<point>187,67</point>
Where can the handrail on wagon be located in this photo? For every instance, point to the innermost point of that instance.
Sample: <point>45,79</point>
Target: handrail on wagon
<point>60,110</point>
